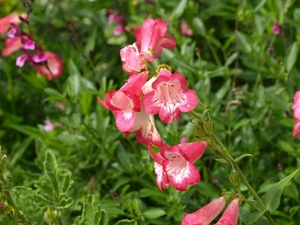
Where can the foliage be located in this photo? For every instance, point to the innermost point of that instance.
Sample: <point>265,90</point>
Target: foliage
<point>85,171</point>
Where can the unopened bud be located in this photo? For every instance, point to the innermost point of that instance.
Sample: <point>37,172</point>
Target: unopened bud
<point>52,215</point>
<point>234,179</point>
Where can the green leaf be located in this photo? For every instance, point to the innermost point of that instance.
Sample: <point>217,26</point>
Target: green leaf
<point>73,82</point>
<point>50,168</point>
<point>71,138</point>
<point>154,213</point>
<point>252,218</point>
<point>126,222</point>
<point>53,92</point>
<point>221,94</point>
<point>243,156</point>
<point>67,183</point>
<point>180,9</point>
<point>65,203</point>
<point>102,218</point>
<point>244,43</point>
<point>90,214</point>
<point>277,101</point>
<point>272,198</point>
<point>199,25</point>
<point>291,57</point>
<point>90,45</point>
<point>261,4</point>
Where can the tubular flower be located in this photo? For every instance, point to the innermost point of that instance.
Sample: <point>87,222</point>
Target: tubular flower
<point>231,214</point>
<point>131,58</point>
<point>169,97</point>
<point>152,36</point>
<point>296,108</point>
<point>146,132</point>
<point>11,45</point>
<point>178,163</point>
<point>175,165</point>
<point>206,214</point>
<point>161,176</point>
<point>6,22</point>
<point>55,66</point>
<point>125,103</point>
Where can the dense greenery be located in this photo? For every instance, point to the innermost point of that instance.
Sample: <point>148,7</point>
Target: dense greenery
<point>244,73</point>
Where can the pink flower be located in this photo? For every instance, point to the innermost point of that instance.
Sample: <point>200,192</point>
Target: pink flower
<point>54,64</point>
<point>21,60</point>
<point>132,59</point>
<point>119,20</point>
<point>48,126</point>
<point>161,176</point>
<point>231,214</point>
<point>6,22</point>
<point>11,45</point>
<point>146,132</point>
<point>125,103</point>
<point>152,36</point>
<point>206,214</point>
<point>276,28</point>
<point>169,97</point>
<point>175,164</point>
<point>185,29</point>
<point>296,108</point>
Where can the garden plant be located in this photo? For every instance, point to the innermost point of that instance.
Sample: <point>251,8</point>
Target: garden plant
<point>137,112</point>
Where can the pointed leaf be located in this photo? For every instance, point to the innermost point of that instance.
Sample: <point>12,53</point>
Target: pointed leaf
<point>180,8</point>
<point>65,203</point>
<point>291,57</point>
<point>126,222</point>
<point>101,217</point>
<point>243,156</point>
<point>50,168</point>
<point>90,213</point>
<point>154,213</point>
<point>272,198</point>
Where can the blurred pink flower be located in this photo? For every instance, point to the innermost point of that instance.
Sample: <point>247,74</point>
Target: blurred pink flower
<point>119,20</point>
<point>276,28</point>
<point>132,60</point>
<point>206,214</point>
<point>152,37</point>
<point>55,65</point>
<point>11,45</point>
<point>48,126</point>
<point>231,214</point>
<point>296,108</point>
<point>6,22</point>
<point>185,29</point>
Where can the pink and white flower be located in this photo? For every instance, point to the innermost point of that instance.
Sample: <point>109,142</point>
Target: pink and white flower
<point>176,164</point>
<point>206,214</point>
<point>6,22</point>
<point>146,132</point>
<point>152,37</point>
<point>169,97</point>
<point>11,45</point>
<point>55,66</point>
<point>48,126</point>
<point>276,29</point>
<point>125,103</point>
<point>231,214</point>
<point>296,108</point>
<point>131,58</point>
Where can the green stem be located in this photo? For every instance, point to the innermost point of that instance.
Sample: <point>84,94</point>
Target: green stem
<point>225,154</point>
<point>212,49</point>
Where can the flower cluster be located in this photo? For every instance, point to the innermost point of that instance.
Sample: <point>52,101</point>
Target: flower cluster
<point>46,63</point>
<point>162,93</point>
<point>209,212</point>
